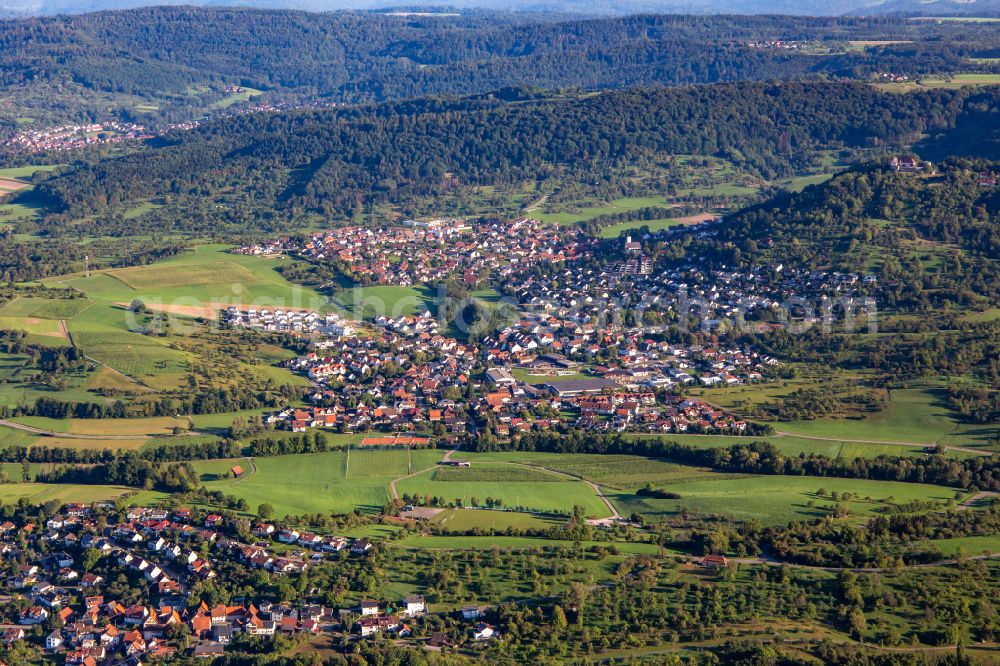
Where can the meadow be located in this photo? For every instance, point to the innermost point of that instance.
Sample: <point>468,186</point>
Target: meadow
<point>308,483</point>
<point>533,496</point>
<point>771,500</point>
<point>39,493</point>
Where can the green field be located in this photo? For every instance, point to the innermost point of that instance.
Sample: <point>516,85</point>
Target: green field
<point>460,520</point>
<point>951,82</point>
<point>308,483</point>
<point>533,496</point>
<point>916,415</point>
<point>39,493</point>
<point>772,500</point>
<point>565,214</point>
<point>207,278</point>
<point>389,300</point>
<point>180,275</point>
<point>392,463</point>
<point>44,331</point>
<point>234,98</point>
<point>516,543</point>
<point>45,308</point>
<point>615,230</point>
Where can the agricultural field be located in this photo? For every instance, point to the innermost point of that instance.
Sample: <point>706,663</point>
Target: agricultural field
<point>565,214</point>
<point>49,332</point>
<point>39,493</point>
<point>533,496</point>
<point>951,82</point>
<point>308,483</point>
<point>45,308</point>
<point>460,520</point>
<point>392,301</point>
<point>771,500</point>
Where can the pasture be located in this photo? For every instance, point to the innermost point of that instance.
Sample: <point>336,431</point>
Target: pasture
<point>389,300</point>
<point>308,483</point>
<point>51,332</point>
<point>45,308</point>
<point>616,230</point>
<point>771,500</point>
<point>39,493</point>
<point>533,496</point>
<point>179,275</point>
<point>571,214</point>
<point>460,520</point>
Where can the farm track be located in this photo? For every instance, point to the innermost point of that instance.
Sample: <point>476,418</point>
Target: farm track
<point>72,342</point>
<point>394,494</point>
<point>63,435</point>
<point>770,561</point>
<point>976,452</point>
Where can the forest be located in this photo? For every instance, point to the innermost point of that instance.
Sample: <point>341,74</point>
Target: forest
<point>341,160</point>
<point>161,54</point>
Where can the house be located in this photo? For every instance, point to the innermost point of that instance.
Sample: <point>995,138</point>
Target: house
<point>369,608</point>
<point>208,651</point>
<point>361,547</point>
<point>714,561</point>
<point>906,165</point>
<point>222,633</point>
<point>237,472</point>
<point>213,520</point>
<point>415,604</point>
<point>471,613</point>
<point>439,640</point>
<point>54,640</point>
<point>483,631</point>
<point>374,624</point>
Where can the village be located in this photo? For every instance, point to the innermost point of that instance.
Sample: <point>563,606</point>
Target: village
<point>98,619</point>
<point>425,252</point>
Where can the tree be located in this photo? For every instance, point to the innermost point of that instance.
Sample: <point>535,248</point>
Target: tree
<point>137,306</point>
<point>265,510</point>
<point>559,618</point>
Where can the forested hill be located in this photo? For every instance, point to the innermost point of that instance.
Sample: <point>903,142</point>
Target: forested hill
<point>163,54</point>
<point>334,161</point>
<point>931,238</point>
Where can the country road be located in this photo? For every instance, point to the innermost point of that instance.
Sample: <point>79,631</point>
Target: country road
<point>63,435</point>
<point>783,433</point>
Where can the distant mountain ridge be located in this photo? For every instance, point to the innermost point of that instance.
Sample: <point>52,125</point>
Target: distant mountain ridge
<point>14,8</point>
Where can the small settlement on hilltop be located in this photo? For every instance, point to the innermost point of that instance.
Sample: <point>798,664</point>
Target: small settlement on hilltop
<point>167,552</point>
<point>567,357</point>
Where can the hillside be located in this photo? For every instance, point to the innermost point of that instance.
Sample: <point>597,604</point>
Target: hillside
<point>170,64</point>
<point>338,161</point>
<point>935,236</point>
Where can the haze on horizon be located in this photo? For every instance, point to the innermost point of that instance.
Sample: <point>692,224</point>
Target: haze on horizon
<point>15,8</point>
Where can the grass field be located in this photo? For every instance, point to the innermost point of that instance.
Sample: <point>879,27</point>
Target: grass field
<point>952,82</point>
<point>526,495</point>
<point>139,427</point>
<point>157,276</point>
<point>460,520</point>
<point>564,214</point>
<point>498,473</point>
<point>235,97</point>
<point>45,308</point>
<point>515,543</point>
<point>309,483</point>
<point>390,300</point>
<point>772,500</point>
<point>391,463</point>
<point>47,331</point>
<point>916,415</point>
<point>39,493</point>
